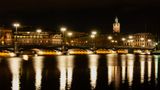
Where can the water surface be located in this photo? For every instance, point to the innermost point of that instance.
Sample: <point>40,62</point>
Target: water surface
<point>80,72</point>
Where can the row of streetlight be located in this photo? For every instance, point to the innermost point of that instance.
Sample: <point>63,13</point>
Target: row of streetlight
<point>93,35</point>
<point>16,25</point>
<point>63,30</point>
<point>69,34</point>
<point>130,38</point>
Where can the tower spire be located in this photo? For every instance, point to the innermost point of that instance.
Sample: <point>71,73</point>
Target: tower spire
<point>116,19</point>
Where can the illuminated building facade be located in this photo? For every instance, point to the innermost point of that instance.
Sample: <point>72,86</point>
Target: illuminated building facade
<point>116,26</point>
<point>32,38</point>
<point>56,39</point>
<point>140,40</point>
<point>5,36</point>
<point>38,38</point>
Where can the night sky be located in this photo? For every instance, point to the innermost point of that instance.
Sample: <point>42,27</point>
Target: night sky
<point>83,15</point>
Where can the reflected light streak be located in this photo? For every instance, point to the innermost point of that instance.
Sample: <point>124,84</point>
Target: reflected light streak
<point>130,71</point>
<point>123,58</point>
<point>25,57</point>
<point>93,62</point>
<point>38,66</point>
<point>149,67</point>
<point>62,67</point>
<point>156,68</point>
<point>111,67</point>
<point>142,67</point>
<point>15,65</point>
<point>130,56</point>
<point>110,74</point>
<point>62,78</point>
<point>69,71</point>
<point>69,77</point>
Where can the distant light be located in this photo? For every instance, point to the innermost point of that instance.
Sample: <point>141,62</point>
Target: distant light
<point>94,32</point>
<point>109,37</point>
<point>141,38</point>
<point>112,41</point>
<point>12,54</point>
<point>39,30</point>
<point>156,43</point>
<point>92,36</point>
<point>70,34</point>
<point>115,41</point>
<point>149,40</point>
<point>25,57</point>
<point>123,39</point>
<point>131,40</point>
<point>28,32</point>
<point>72,41</point>
<point>63,29</point>
<point>130,37</point>
<point>16,24</point>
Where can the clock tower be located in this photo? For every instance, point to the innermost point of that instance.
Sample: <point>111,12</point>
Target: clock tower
<point>116,26</point>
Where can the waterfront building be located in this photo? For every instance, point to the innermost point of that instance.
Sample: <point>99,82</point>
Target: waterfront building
<point>140,40</point>
<point>78,39</point>
<point>33,38</point>
<point>5,36</point>
<point>56,39</point>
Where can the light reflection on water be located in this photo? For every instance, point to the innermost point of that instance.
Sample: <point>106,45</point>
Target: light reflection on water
<point>93,62</point>
<point>112,66</point>
<point>121,70</point>
<point>15,65</point>
<point>156,68</point>
<point>130,66</point>
<point>38,66</point>
<point>149,62</point>
<point>142,67</point>
<point>65,65</point>
<point>123,63</point>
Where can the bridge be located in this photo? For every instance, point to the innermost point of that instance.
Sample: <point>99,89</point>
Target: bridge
<point>44,46</point>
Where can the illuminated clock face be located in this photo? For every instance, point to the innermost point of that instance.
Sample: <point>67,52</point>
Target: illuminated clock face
<point>116,27</point>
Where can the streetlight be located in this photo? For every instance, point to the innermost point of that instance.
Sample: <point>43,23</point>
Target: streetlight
<point>115,41</point>
<point>112,41</point>
<point>63,29</point>
<point>69,34</point>
<point>93,36</point>
<point>94,32</point>
<point>142,39</point>
<point>149,40</point>
<point>110,37</point>
<point>130,37</point>
<point>123,39</point>
<point>16,25</point>
<point>39,30</point>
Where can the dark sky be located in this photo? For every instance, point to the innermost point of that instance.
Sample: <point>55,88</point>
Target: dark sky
<point>83,15</point>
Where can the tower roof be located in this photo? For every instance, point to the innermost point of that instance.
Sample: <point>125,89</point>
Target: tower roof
<point>116,19</point>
